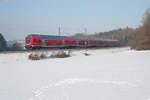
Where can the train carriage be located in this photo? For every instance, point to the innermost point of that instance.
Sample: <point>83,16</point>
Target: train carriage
<point>100,42</point>
<point>82,42</point>
<point>33,41</point>
<point>70,42</point>
<point>50,41</point>
<point>91,42</point>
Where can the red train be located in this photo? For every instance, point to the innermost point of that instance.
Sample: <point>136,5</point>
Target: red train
<point>34,41</point>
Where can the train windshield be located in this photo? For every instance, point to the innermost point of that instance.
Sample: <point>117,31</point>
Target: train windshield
<point>28,39</point>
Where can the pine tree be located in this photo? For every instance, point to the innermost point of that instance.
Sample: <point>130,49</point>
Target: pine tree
<point>3,45</point>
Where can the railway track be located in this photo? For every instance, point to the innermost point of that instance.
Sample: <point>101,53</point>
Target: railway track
<point>58,49</point>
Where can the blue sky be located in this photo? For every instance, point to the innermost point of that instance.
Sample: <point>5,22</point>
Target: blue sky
<point>19,18</point>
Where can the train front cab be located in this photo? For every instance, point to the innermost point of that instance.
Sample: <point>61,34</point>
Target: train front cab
<point>33,42</point>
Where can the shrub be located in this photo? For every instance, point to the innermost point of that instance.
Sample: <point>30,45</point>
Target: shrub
<point>61,54</point>
<point>86,54</point>
<point>34,57</point>
<point>42,56</point>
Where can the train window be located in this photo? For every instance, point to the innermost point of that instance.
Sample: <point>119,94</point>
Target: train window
<point>86,43</point>
<point>39,40</point>
<point>81,43</point>
<point>59,43</point>
<point>28,39</point>
<point>73,41</point>
<point>66,41</point>
<point>47,43</point>
<point>34,40</point>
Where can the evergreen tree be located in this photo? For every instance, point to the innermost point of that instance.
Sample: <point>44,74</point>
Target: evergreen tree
<point>3,45</point>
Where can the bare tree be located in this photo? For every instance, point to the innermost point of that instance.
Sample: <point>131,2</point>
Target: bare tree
<point>143,39</point>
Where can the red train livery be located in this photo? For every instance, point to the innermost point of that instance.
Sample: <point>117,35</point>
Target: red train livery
<point>34,41</point>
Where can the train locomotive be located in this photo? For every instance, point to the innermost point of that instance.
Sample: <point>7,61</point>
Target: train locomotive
<point>36,41</point>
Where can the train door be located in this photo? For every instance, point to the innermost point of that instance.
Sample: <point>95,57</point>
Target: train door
<point>37,41</point>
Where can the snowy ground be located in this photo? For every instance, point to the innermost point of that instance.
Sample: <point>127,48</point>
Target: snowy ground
<point>107,74</point>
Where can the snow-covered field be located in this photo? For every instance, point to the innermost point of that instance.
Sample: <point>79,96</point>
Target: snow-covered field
<point>107,74</point>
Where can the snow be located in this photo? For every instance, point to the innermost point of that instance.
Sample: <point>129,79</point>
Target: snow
<point>107,74</point>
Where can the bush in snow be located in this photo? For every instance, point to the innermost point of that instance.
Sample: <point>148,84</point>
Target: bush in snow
<point>34,57</point>
<point>61,54</point>
<point>56,54</point>
<point>86,54</point>
<point>42,56</point>
<point>37,56</point>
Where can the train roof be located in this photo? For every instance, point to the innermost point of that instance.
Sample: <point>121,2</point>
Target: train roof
<point>49,36</point>
<point>52,37</point>
<point>110,40</point>
<point>99,39</point>
<point>62,37</point>
<point>81,38</point>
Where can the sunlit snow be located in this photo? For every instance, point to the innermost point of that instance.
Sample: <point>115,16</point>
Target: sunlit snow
<point>107,74</point>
